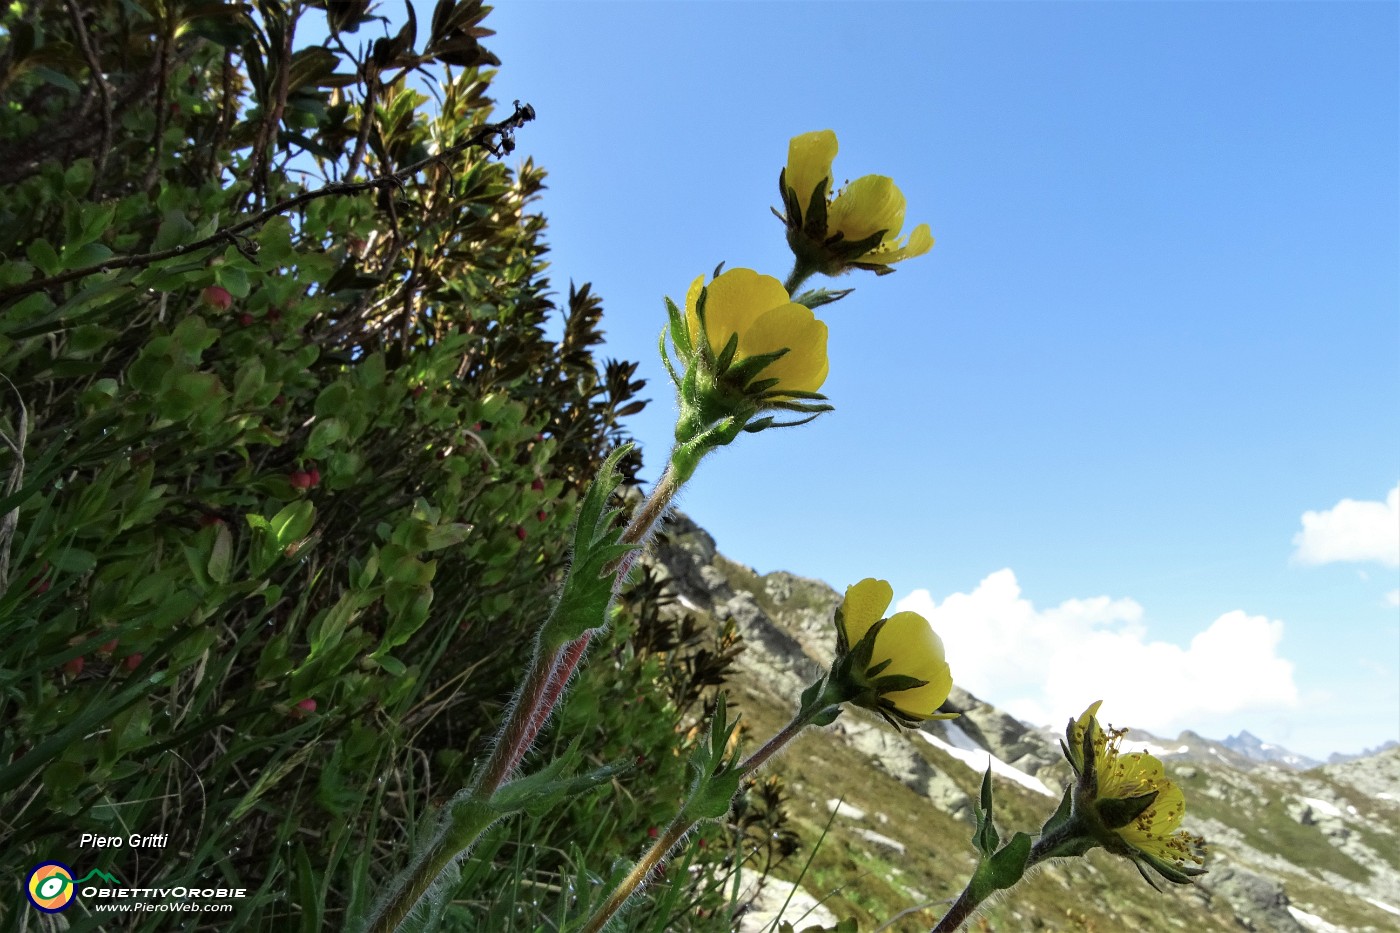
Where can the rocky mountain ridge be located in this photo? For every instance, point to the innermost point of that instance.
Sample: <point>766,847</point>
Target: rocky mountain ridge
<point>1290,850</point>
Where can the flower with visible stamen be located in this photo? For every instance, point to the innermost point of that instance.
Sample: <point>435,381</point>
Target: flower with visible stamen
<point>1136,810</point>
<point>857,227</point>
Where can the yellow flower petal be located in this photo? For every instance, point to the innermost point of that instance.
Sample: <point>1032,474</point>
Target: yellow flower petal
<point>864,605</point>
<point>804,367</point>
<point>809,162</point>
<point>866,206</point>
<point>734,301</point>
<point>915,650</point>
<point>920,242</point>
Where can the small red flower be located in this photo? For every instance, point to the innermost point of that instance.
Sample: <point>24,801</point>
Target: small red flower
<point>73,666</point>
<point>418,391</point>
<point>541,515</point>
<point>537,485</point>
<point>208,519</point>
<point>216,296</point>
<point>245,319</point>
<point>304,708</point>
<point>520,532</point>
<point>274,315</point>
<point>314,475</point>
<point>133,661</point>
<point>108,647</point>
<point>652,832</point>
<point>299,480</point>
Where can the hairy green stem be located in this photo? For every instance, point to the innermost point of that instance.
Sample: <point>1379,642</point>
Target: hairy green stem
<point>800,273</point>
<point>464,826</point>
<point>640,872</point>
<point>968,901</point>
<point>541,691</point>
<point>682,824</point>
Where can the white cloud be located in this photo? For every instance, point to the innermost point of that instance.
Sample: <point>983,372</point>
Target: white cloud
<point>1392,598</point>
<point>1352,531</point>
<point>1046,665</point>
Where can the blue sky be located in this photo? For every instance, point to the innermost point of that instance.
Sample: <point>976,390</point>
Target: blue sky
<point>1158,327</point>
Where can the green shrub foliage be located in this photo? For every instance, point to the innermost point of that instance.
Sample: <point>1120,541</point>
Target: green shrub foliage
<point>281,511</point>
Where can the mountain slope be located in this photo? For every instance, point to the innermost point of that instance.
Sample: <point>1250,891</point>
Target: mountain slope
<point>1289,850</point>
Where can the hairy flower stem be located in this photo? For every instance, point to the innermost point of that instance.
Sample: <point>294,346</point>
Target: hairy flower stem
<point>683,823</point>
<point>550,671</point>
<point>800,273</point>
<point>640,872</point>
<point>966,905</point>
<point>543,688</point>
<point>464,826</point>
<point>569,659</point>
<point>517,732</point>
<point>757,759</point>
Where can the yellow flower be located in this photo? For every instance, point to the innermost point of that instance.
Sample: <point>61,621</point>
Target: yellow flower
<point>1123,776</point>
<point>905,646</point>
<point>859,226</point>
<point>759,312</point>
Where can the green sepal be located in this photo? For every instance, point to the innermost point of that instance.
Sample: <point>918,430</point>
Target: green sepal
<point>1117,812</point>
<point>985,837</point>
<point>588,588</point>
<point>792,210</point>
<point>845,251</point>
<point>1061,816</point>
<point>814,226</point>
<point>1177,874</point>
<point>892,683</point>
<point>814,298</point>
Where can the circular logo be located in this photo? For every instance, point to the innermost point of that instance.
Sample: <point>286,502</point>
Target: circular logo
<point>50,887</point>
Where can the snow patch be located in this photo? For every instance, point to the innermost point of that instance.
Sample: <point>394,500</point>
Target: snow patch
<point>1314,922</point>
<point>1384,906</point>
<point>1158,751</point>
<point>687,602</point>
<point>869,835</point>
<point>1322,806</point>
<point>1384,796</point>
<point>977,758</point>
<point>848,811</point>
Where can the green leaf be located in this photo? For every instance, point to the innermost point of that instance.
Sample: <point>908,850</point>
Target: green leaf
<point>234,279</point>
<point>588,588</point>
<point>74,560</point>
<point>1008,866</point>
<point>325,433</point>
<point>175,230</point>
<point>447,535</point>
<point>292,522</point>
<point>89,254</point>
<point>221,554</point>
<point>43,256</point>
